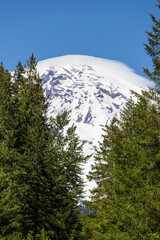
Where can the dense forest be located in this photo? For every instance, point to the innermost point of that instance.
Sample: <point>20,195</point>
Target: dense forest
<point>41,164</point>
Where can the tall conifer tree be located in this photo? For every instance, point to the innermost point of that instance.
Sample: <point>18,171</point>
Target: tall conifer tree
<point>8,206</point>
<point>67,159</point>
<point>6,116</point>
<point>42,161</point>
<point>30,167</point>
<point>126,201</point>
<point>153,50</point>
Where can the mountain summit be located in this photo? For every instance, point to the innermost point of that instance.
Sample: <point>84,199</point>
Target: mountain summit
<point>91,89</point>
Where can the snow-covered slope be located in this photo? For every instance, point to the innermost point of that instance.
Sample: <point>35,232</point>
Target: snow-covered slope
<point>91,89</point>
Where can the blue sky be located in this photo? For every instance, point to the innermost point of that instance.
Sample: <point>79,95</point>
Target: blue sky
<point>111,29</point>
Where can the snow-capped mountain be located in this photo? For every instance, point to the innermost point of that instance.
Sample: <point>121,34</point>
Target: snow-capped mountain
<point>91,89</point>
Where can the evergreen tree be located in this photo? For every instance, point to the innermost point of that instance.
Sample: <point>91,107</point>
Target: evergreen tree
<point>126,202</point>
<point>153,50</point>
<point>48,171</point>
<point>30,168</point>
<point>6,118</point>
<point>67,161</point>
<point>8,205</point>
<point>41,162</point>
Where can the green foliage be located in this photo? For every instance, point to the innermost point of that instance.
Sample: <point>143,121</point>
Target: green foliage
<point>153,50</point>
<point>18,236</point>
<point>69,153</point>
<point>67,158</point>
<point>126,202</point>
<point>6,118</point>
<point>30,165</point>
<point>40,162</point>
<point>8,205</point>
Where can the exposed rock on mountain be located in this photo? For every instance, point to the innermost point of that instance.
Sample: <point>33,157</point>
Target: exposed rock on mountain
<point>92,90</point>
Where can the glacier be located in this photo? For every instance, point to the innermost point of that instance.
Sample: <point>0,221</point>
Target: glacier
<point>92,90</point>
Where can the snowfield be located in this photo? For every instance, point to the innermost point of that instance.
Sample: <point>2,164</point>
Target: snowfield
<point>92,90</point>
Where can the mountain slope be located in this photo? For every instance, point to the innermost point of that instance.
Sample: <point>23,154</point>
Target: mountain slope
<point>91,89</point>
